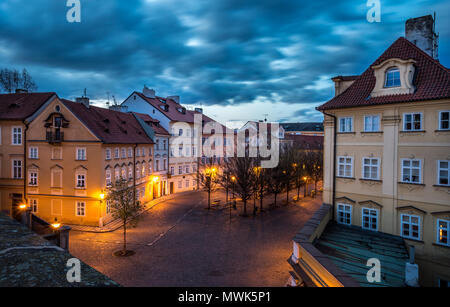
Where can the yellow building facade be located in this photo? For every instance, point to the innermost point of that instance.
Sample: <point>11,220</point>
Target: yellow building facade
<point>392,155</point>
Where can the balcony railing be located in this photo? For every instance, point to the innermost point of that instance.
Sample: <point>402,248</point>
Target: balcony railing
<point>55,136</point>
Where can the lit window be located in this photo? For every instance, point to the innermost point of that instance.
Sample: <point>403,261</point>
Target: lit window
<point>81,154</point>
<point>124,173</point>
<point>443,228</point>
<point>346,124</point>
<point>410,226</point>
<point>108,178</point>
<point>444,120</point>
<point>344,214</point>
<point>392,78</point>
<point>371,123</point>
<point>17,136</point>
<point>370,219</point>
<point>117,174</point>
<point>34,153</point>
<point>345,166</point>
<point>444,172</point>
<point>33,178</point>
<point>411,171</point>
<point>130,172</point>
<point>412,121</point>
<point>371,168</point>
<point>81,208</point>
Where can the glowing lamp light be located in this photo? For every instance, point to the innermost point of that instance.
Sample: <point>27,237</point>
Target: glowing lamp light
<point>55,224</point>
<point>155,179</point>
<point>102,196</point>
<point>233,178</point>
<point>305,178</point>
<point>22,206</point>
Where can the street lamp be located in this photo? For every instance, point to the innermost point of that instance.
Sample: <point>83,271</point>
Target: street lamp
<point>56,225</point>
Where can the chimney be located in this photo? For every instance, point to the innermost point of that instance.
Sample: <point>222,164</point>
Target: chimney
<point>199,110</point>
<point>341,83</point>
<point>83,100</point>
<point>149,93</point>
<point>119,108</point>
<point>174,98</point>
<point>21,91</point>
<point>421,32</point>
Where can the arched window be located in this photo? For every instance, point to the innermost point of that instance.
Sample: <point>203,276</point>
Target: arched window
<point>392,77</point>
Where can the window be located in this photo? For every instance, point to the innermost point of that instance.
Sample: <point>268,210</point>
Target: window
<point>180,184</point>
<point>108,178</point>
<point>444,172</point>
<point>371,168</point>
<point>444,120</point>
<point>80,208</point>
<point>157,165</point>
<point>410,226</point>
<point>180,132</point>
<point>34,153</point>
<point>33,205</point>
<point>371,123</point>
<point>187,169</point>
<point>138,152</point>
<point>81,154</point>
<point>172,171</point>
<point>411,171</point>
<point>130,152</point>
<point>33,178</point>
<point>412,121</point>
<point>443,228</point>
<point>123,153</point>
<point>17,169</point>
<point>143,170</point>
<point>165,164</point>
<point>180,170</point>
<point>17,135</point>
<point>108,206</point>
<point>117,174</point>
<point>108,154</point>
<point>81,181</point>
<point>143,152</point>
<point>187,183</point>
<point>369,219</point>
<point>392,77</point>
<point>130,172</point>
<point>116,153</point>
<point>124,173</point>
<point>345,166</point>
<point>149,151</point>
<point>157,144</point>
<point>164,144</point>
<point>344,214</point>
<point>346,124</point>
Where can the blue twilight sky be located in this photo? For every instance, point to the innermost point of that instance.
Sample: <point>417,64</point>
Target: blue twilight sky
<point>239,59</point>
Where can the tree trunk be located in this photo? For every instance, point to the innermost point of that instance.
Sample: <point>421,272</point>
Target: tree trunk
<point>306,187</point>
<point>245,207</point>
<point>124,237</point>
<point>298,192</point>
<point>315,188</point>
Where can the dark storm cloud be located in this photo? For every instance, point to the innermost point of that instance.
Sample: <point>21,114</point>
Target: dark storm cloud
<point>209,52</point>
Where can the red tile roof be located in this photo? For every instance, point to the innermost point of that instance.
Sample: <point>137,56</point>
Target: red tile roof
<point>314,142</point>
<point>21,106</point>
<point>432,80</point>
<point>345,78</point>
<point>112,127</point>
<point>152,122</point>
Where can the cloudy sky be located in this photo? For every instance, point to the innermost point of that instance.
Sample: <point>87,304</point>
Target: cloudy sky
<point>239,59</point>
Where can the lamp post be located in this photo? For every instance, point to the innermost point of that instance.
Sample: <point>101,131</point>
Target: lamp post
<point>305,179</point>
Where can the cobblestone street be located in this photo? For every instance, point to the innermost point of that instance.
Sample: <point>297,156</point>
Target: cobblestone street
<point>179,243</point>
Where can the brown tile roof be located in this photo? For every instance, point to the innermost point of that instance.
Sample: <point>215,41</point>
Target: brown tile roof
<point>306,141</point>
<point>21,106</point>
<point>112,127</point>
<point>173,113</point>
<point>153,123</point>
<point>432,80</point>
<point>345,78</point>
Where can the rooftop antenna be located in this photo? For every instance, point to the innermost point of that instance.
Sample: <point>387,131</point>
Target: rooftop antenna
<point>107,103</point>
<point>114,99</point>
<point>85,92</point>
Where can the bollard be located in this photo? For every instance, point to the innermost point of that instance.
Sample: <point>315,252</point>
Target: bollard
<point>63,237</point>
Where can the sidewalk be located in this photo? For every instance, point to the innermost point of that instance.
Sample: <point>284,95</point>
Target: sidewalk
<point>117,223</point>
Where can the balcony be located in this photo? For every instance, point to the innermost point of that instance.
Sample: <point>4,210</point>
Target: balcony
<point>55,136</point>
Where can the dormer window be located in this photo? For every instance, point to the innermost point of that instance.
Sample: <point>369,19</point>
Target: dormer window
<point>392,77</point>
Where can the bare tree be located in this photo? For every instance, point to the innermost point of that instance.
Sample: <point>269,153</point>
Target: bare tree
<point>274,179</point>
<point>242,169</point>
<point>299,170</point>
<point>126,207</point>
<point>12,79</point>
<point>207,177</point>
<point>314,167</point>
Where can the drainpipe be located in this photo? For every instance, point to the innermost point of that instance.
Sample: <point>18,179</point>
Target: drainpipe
<point>334,159</point>
<point>134,173</point>
<point>25,175</point>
